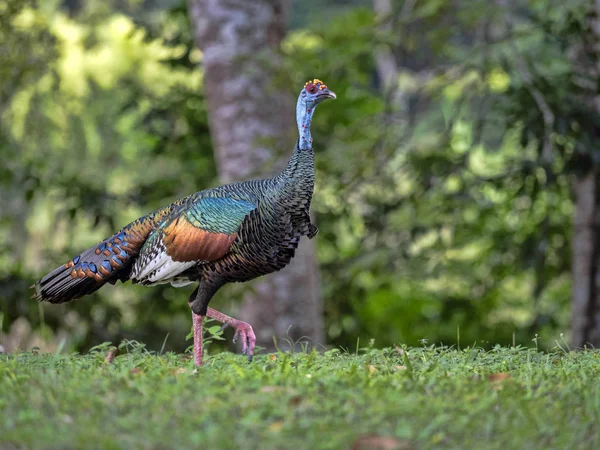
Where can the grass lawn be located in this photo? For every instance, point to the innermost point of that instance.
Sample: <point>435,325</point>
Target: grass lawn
<point>506,398</point>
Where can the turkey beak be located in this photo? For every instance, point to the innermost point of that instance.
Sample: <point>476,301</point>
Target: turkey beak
<point>332,95</point>
<point>328,94</point>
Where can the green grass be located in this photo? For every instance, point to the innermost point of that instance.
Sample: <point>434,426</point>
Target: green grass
<point>422,398</point>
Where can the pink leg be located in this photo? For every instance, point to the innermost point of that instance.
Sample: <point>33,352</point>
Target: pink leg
<point>197,320</point>
<point>242,329</point>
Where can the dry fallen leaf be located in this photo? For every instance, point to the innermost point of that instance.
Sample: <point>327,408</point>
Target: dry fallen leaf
<point>400,368</point>
<point>110,356</point>
<point>295,400</point>
<point>67,419</point>
<point>273,357</point>
<point>372,369</point>
<point>498,377</point>
<point>497,380</point>
<point>371,442</point>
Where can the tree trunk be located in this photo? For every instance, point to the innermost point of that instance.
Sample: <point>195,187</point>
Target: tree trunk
<point>249,117</point>
<point>586,245</point>
<point>585,320</point>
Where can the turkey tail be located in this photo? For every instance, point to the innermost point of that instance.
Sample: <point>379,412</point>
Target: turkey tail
<point>108,261</point>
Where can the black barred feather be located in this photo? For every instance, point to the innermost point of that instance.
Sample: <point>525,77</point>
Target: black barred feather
<point>60,287</point>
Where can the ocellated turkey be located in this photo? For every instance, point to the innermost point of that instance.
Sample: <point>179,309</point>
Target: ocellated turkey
<point>230,233</point>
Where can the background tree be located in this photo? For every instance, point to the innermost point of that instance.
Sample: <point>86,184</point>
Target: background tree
<point>585,320</point>
<point>252,114</point>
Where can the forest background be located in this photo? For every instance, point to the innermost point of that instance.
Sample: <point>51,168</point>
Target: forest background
<point>457,175</point>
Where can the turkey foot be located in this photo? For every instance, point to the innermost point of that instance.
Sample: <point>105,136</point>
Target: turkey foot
<point>243,330</point>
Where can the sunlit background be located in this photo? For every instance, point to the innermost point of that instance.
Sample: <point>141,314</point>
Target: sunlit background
<point>443,192</point>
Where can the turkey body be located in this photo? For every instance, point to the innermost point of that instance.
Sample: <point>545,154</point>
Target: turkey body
<point>231,233</point>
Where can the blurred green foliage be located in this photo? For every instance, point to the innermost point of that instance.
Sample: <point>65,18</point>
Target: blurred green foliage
<point>443,203</point>
<point>112,127</point>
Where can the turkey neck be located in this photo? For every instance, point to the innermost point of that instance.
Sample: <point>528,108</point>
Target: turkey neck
<point>298,178</point>
<point>300,169</point>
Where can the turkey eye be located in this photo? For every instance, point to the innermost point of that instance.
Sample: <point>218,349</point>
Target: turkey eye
<point>312,89</point>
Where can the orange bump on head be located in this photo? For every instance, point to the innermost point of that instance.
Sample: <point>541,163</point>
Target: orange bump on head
<point>313,86</point>
<point>315,81</point>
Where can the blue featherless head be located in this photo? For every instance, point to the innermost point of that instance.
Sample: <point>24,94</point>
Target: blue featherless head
<point>313,93</point>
